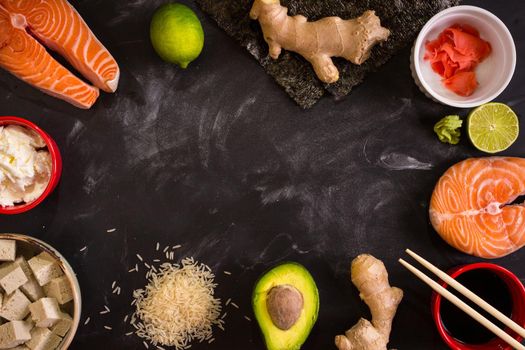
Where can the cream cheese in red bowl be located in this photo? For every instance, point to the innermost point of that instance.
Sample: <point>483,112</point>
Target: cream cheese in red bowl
<point>30,165</point>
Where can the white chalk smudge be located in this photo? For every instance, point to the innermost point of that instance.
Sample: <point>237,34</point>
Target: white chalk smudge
<point>95,174</point>
<point>75,132</point>
<point>399,161</point>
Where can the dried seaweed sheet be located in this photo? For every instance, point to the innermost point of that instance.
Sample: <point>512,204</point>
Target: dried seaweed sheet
<point>404,18</point>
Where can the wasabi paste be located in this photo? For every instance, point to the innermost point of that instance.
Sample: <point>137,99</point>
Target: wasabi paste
<point>448,129</point>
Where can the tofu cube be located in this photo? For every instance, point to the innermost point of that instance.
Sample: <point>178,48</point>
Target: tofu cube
<point>60,289</point>
<point>7,250</point>
<point>62,327</point>
<point>45,268</point>
<point>13,333</point>
<point>15,306</point>
<point>45,312</point>
<point>11,277</point>
<point>29,323</point>
<point>31,288</point>
<point>43,339</point>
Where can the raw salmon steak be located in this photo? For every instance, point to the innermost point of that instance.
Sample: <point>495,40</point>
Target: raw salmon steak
<point>27,25</point>
<point>472,206</point>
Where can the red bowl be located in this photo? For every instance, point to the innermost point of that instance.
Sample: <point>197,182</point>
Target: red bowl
<point>517,292</point>
<point>56,166</point>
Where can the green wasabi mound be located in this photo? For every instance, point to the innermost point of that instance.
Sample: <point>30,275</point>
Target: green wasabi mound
<point>448,129</point>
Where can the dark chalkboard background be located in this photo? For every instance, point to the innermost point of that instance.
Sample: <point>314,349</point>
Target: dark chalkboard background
<point>218,158</point>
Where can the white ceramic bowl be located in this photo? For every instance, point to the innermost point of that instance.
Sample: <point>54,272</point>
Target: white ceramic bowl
<point>29,246</point>
<point>493,74</point>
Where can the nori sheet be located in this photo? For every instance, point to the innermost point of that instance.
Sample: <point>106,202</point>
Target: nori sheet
<point>404,18</point>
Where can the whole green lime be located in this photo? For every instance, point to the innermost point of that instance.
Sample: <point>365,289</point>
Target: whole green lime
<point>176,34</point>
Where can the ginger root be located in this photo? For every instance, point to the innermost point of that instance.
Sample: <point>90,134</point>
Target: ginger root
<point>318,41</point>
<point>370,277</point>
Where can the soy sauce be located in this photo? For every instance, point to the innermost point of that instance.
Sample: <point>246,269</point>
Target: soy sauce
<point>491,288</point>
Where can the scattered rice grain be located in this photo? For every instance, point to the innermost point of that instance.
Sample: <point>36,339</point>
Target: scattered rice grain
<point>139,257</point>
<point>234,305</point>
<point>108,328</point>
<point>227,272</point>
<point>111,230</point>
<point>83,248</point>
<point>87,321</point>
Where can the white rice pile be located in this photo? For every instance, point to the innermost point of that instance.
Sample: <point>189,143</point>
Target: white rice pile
<point>177,305</point>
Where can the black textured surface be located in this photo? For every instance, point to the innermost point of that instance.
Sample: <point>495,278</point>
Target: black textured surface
<point>218,159</point>
<point>404,18</point>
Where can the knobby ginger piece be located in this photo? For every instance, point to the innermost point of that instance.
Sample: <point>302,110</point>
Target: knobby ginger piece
<point>321,40</point>
<point>370,277</point>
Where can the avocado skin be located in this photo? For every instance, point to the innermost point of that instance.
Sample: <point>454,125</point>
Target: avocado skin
<point>296,275</point>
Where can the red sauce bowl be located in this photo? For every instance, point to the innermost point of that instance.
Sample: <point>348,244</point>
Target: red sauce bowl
<point>517,293</point>
<point>56,165</point>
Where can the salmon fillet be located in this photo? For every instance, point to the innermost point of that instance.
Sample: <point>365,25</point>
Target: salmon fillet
<point>470,206</point>
<point>25,24</point>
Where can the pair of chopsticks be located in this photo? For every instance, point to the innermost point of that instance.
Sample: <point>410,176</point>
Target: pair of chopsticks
<point>463,306</point>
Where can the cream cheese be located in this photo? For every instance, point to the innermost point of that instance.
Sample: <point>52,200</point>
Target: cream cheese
<point>25,165</point>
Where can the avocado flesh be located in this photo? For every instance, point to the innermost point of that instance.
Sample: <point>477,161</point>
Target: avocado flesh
<point>297,276</point>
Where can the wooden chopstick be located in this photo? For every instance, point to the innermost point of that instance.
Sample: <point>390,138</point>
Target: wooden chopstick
<point>464,307</point>
<point>467,293</point>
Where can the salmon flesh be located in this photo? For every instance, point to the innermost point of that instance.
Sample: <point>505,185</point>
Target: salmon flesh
<point>27,25</point>
<point>473,208</point>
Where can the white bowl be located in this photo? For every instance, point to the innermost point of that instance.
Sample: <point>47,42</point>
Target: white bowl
<point>493,74</point>
<point>30,246</point>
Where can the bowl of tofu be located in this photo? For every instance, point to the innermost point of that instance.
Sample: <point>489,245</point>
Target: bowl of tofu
<point>40,300</point>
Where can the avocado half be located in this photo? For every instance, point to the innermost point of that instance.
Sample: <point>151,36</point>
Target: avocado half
<point>286,304</point>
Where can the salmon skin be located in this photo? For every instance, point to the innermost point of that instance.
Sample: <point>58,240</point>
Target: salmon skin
<point>25,24</point>
<point>471,206</point>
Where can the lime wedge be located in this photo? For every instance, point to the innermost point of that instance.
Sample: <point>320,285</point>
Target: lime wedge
<point>493,127</point>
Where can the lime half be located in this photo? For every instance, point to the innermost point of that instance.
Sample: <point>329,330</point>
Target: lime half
<point>493,127</point>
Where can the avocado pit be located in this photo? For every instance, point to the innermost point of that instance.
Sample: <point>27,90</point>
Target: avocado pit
<point>284,304</point>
